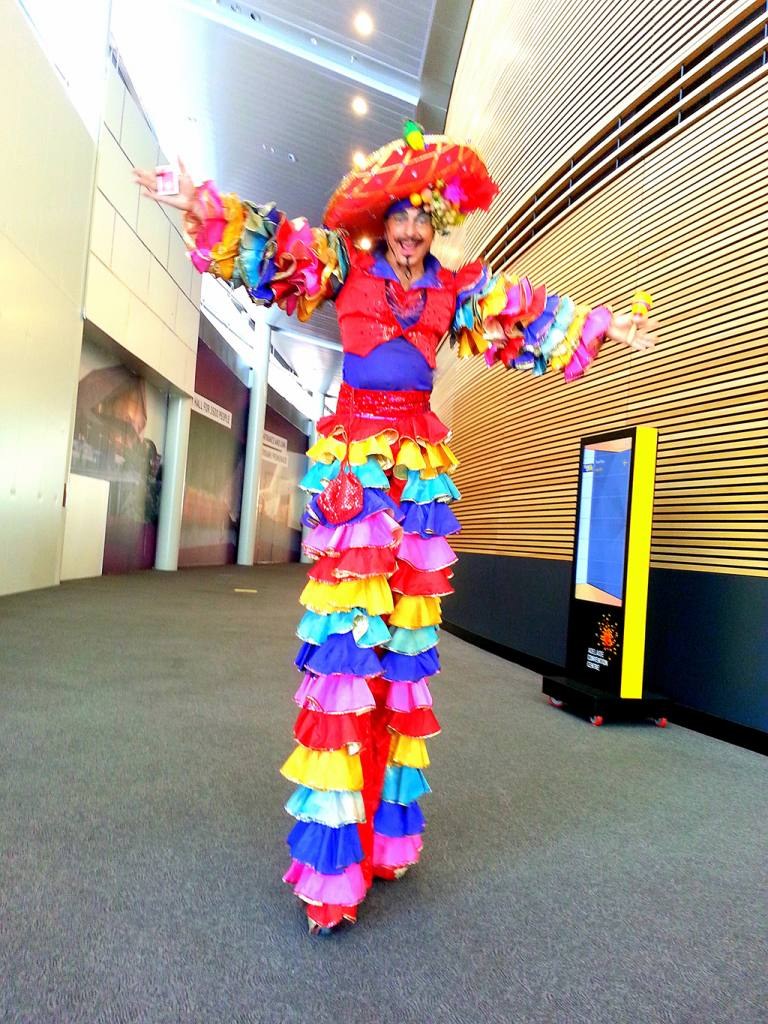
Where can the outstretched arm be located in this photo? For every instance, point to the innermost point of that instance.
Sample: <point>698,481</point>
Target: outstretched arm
<point>276,259</point>
<point>509,321</point>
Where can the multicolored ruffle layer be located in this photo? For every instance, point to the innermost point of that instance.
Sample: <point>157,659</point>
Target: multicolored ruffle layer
<point>510,321</point>
<point>276,259</point>
<point>368,651</point>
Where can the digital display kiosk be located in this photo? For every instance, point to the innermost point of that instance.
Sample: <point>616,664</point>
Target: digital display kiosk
<point>609,585</point>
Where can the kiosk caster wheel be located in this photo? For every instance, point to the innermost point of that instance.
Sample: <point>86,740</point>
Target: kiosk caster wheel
<point>596,720</point>
<point>661,723</point>
<point>555,702</point>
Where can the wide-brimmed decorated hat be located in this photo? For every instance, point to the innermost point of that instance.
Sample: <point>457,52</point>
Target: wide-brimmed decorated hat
<point>447,178</point>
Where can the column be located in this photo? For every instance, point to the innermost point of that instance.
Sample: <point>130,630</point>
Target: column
<point>172,490</point>
<point>257,410</point>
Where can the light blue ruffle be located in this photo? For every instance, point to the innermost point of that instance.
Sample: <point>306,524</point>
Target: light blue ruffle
<point>403,785</point>
<point>413,641</point>
<point>370,474</point>
<point>315,628</point>
<point>439,488</point>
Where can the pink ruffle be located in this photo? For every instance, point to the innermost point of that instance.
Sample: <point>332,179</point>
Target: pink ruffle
<point>210,231</point>
<point>581,359</point>
<point>347,889</point>
<point>409,696</point>
<point>334,694</point>
<point>426,554</point>
<point>377,531</point>
<point>389,852</point>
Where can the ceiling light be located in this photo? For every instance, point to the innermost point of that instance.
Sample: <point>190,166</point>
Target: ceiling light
<point>359,106</point>
<point>365,243</point>
<point>313,40</point>
<point>359,158</point>
<point>363,23</point>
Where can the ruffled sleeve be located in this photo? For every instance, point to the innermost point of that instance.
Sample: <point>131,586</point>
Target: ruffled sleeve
<point>278,260</point>
<point>508,320</point>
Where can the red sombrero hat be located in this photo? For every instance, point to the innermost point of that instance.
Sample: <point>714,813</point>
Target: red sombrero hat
<point>416,165</point>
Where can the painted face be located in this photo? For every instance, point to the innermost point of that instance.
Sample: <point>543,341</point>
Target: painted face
<point>409,235</point>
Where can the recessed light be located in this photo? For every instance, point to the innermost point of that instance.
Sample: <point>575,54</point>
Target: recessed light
<point>358,158</point>
<point>365,243</point>
<point>359,106</point>
<point>292,157</point>
<point>363,23</point>
<point>313,40</point>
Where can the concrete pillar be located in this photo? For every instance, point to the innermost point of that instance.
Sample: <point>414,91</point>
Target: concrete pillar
<point>257,410</point>
<point>172,490</point>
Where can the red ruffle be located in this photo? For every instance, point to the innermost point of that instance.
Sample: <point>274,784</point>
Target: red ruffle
<point>420,723</point>
<point>328,915</point>
<point>361,562</point>
<point>320,731</point>
<point>416,583</point>
<point>363,413</point>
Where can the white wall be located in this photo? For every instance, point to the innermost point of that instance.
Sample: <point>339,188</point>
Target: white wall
<point>73,236</point>
<point>46,181</point>
<point>141,288</point>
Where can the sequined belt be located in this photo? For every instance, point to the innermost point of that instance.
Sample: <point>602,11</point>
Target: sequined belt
<point>362,402</point>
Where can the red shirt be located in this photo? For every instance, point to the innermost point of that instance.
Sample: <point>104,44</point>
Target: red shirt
<point>367,320</point>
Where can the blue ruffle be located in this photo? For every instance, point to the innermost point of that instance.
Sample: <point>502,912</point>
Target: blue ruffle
<point>410,667</point>
<point>433,520</point>
<point>404,785</point>
<point>307,804</point>
<point>396,820</point>
<point>328,850</point>
<point>315,628</point>
<point>439,488</point>
<point>370,474</point>
<point>374,501</point>
<point>535,332</point>
<point>339,654</point>
<point>412,641</point>
<point>465,314</point>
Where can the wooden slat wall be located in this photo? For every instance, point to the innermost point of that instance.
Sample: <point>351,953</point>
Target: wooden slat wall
<point>690,222</point>
<point>535,81</point>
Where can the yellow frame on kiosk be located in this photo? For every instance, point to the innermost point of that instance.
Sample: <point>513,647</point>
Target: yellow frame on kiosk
<point>606,635</point>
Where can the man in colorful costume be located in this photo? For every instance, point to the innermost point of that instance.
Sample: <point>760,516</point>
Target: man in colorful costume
<point>370,632</point>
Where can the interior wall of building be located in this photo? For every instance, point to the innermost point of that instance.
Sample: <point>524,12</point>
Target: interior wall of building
<point>684,217</point>
<point>141,289</point>
<point>77,246</point>
<point>46,187</point>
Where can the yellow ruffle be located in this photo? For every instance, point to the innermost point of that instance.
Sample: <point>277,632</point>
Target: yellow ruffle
<point>494,301</point>
<point>224,254</point>
<point>324,769</point>
<point>471,343</point>
<point>563,352</point>
<point>408,751</point>
<point>428,459</point>
<point>371,593</point>
<point>416,612</point>
<point>327,449</point>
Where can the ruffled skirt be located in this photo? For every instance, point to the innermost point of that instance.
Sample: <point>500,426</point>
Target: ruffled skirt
<point>368,649</point>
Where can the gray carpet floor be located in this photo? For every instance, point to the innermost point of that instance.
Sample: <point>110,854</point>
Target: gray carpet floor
<point>571,875</point>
